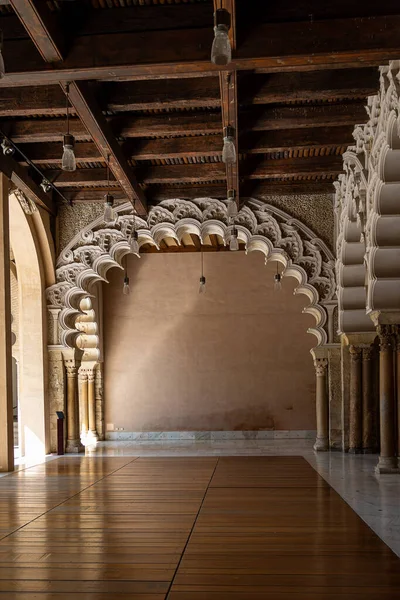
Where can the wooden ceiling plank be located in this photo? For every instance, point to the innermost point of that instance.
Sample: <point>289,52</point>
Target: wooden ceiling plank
<point>290,46</point>
<point>195,173</point>
<point>200,146</point>
<point>260,188</point>
<point>268,119</point>
<point>99,129</point>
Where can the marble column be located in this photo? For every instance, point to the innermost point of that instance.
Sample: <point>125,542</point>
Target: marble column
<point>355,433</point>
<point>387,458</point>
<point>83,404</point>
<point>92,433</point>
<point>6,398</point>
<point>321,371</point>
<point>73,440</point>
<point>368,404</point>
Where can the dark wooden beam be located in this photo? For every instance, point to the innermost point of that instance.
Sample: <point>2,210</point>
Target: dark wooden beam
<point>188,148</point>
<point>202,92</point>
<point>265,119</point>
<point>270,47</point>
<point>40,23</point>
<point>210,172</point>
<point>157,193</point>
<point>20,177</point>
<point>96,124</point>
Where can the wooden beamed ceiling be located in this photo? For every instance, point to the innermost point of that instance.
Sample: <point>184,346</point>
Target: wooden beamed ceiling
<point>145,96</point>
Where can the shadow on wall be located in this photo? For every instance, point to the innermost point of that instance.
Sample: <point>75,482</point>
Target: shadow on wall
<point>235,358</point>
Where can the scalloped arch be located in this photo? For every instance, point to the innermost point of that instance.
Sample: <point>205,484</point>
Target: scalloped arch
<point>261,227</point>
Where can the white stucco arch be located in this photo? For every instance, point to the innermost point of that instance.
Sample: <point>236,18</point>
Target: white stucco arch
<point>261,227</point>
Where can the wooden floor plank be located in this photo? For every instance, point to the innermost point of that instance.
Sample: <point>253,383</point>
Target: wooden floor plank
<point>243,528</point>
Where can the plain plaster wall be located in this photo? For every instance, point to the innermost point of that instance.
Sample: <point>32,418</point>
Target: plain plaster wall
<point>236,358</point>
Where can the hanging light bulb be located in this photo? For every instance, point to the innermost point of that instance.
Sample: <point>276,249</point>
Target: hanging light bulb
<point>277,280</point>
<point>234,242</point>
<point>229,150</point>
<point>134,243</point>
<point>7,147</point>
<point>232,206</point>
<point>202,286</point>
<point>109,212</point>
<point>2,68</point>
<point>68,162</point>
<point>126,290</point>
<point>46,185</point>
<point>221,52</point>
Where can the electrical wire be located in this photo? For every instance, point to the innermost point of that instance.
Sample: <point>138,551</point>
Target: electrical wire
<point>31,164</point>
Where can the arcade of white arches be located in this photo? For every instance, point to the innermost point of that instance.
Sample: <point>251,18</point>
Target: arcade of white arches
<point>199,299</point>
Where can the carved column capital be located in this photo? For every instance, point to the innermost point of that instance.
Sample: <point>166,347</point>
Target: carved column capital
<point>368,353</point>
<point>385,337</point>
<point>321,365</point>
<point>71,369</point>
<point>355,353</point>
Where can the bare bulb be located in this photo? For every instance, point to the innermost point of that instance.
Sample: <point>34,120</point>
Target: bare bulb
<point>126,289</point>
<point>277,282</point>
<point>109,213</point>
<point>234,242</point>
<point>68,162</point>
<point>221,52</point>
<point>229,151</point>
<point>133,243</point>
<point>202,286</point>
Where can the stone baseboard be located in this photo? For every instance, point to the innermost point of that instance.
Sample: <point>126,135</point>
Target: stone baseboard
<point>209,435</point>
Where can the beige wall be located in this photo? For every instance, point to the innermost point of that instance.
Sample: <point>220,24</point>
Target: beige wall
<point>236,358</point>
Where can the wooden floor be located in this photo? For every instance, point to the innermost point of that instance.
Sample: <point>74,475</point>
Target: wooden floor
<point>240,528</point>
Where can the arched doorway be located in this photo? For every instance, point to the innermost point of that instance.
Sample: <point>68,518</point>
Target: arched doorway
<point>32,258</point>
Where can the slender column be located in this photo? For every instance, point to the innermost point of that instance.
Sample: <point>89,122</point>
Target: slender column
<point>387,459</point>
<point>6,399</point>
<point>92,433</point>
<point>321,369</point>
<point>368,412</point>
<point>397,330</point>
<point>355,437</point>
<point>73,441</point>
<point>83,403</point>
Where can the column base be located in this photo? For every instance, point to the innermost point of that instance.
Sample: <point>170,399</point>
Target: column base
<point>321,445</point>
<point>369,450</point>
<point>355,451</point>
<point>74,446</point>
<point>387,465</point>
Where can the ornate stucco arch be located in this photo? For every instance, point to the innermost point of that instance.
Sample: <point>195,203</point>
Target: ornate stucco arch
<point>99,247</point>
<point>368,209</point>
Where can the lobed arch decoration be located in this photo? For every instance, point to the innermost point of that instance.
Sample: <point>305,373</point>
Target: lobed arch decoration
<point>261,227</point>
<point>368,210</point>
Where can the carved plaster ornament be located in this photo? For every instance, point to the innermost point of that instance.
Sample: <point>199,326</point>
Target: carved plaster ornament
<point>27,205</point>
<point>263,227</point>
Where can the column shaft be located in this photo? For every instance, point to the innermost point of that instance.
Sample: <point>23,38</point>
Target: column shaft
<point>83,402</point>
<point>355,437</point>
<point>387,459</point>
<point>6,399</point>
<point>398,387</point>
<point>368,413</point>
<point>322,441</point>
<point>73,440</point>
<point>92,406</point>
